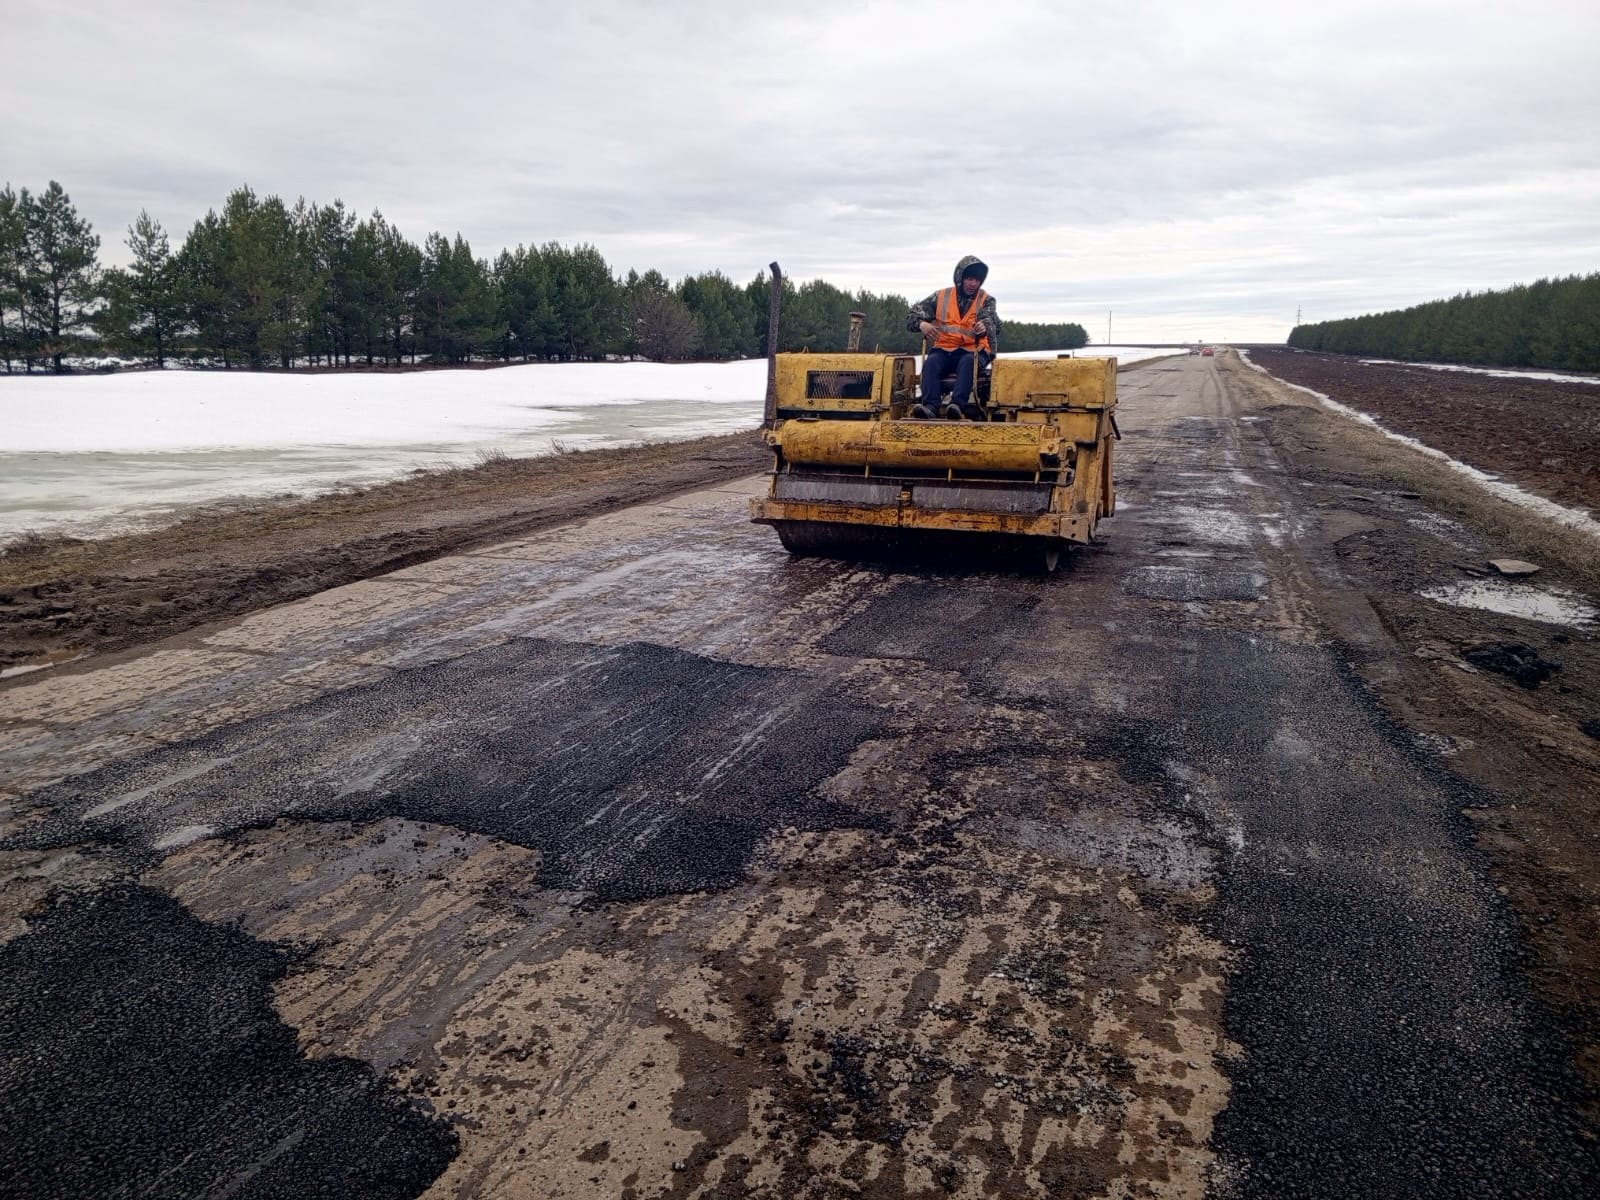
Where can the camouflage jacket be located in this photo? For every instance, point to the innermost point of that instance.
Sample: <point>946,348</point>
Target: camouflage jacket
<point>926,310</point>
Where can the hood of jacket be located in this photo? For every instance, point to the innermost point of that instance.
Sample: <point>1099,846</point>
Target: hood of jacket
<point>971,260</point>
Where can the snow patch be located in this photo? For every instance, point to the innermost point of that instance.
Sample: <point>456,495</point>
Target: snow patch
<point>183,836</point>
<point>1499,372</point>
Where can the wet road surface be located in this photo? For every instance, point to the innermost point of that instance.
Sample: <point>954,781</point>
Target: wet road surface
<point>637,859</point>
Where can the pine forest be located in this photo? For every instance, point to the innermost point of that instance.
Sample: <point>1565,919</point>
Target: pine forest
<point>262,284</point>
<point>1553,324</point>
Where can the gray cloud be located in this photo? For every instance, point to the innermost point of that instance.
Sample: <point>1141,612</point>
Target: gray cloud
<point>1185,165</point>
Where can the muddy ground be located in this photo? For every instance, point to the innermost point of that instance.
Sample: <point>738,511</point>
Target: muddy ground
<point>62,597</point>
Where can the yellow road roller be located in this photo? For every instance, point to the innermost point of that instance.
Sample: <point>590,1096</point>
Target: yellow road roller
<point>855,476</point>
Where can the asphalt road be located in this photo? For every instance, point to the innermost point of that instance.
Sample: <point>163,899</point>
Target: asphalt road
<point>637,859</point>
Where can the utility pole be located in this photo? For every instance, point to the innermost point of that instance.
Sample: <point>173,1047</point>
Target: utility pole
<point>1108,327</point>
<point>1297,314</point>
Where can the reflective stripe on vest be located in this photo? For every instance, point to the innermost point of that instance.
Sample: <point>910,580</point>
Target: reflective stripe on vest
<point>955,327</point>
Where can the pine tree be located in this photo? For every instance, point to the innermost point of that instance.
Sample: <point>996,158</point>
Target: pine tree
<point>143,300</point>
<point>203,295</point>
<point>587,299</point>
<point>400,284</point>
<point>330,235</point>
<point>718,310</point>
<point>63,283</point>
<point>456,316</point>
<point>13,270</point>
<point>364,270</point>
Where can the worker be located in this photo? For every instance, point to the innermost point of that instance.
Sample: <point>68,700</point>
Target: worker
<point>962,330</point>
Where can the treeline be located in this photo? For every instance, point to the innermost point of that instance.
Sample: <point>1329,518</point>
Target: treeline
<point>1554,323</point>
<point>266,284</point>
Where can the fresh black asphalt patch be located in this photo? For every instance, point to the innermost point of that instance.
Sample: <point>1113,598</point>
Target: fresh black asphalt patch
<point>140,1055</point>
<point>636,770</point>
<point>1392,1046</point>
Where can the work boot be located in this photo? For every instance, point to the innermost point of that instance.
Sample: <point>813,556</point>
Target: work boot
<point>922,412</point>
<point>950,412</point>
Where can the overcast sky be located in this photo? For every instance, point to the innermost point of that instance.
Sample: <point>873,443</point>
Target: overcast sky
<point>1199,169</point>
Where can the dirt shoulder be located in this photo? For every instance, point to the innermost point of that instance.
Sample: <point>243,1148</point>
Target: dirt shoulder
<point>61,598</point>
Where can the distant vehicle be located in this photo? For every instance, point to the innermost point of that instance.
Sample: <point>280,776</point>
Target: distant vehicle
<point>1209,352</point>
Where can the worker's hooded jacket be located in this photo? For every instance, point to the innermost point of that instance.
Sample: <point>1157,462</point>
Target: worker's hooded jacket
<point>940,306</point>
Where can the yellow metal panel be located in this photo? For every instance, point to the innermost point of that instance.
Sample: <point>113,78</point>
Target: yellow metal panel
<point>1088,381</point>
<point>1081,427</point>
<point>891,373</point>
<point>1108,491</point>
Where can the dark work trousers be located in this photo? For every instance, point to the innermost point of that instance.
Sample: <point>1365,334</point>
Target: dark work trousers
<point>939,363</point>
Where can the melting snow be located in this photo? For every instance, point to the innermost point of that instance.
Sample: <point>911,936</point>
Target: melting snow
<point>1500,372</point>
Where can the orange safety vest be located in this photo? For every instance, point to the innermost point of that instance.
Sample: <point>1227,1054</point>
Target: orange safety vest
<point>955,327</point>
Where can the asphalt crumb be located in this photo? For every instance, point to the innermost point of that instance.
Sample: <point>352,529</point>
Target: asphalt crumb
<point>1521,663</point>
<point>140,1055</point>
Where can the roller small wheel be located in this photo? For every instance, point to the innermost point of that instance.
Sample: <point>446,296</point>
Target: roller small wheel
<point>1049,559</point>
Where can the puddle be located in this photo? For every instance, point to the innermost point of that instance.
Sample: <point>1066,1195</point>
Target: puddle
<point>1550,605</point>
